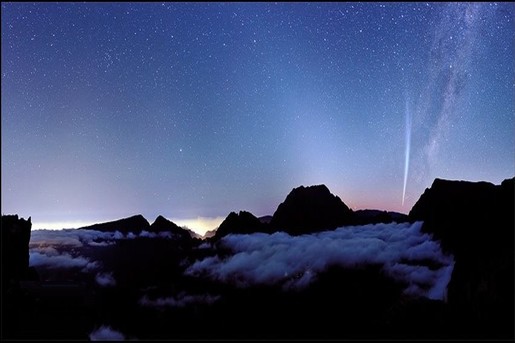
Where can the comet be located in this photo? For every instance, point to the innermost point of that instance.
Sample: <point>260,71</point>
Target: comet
<point>408,144</point>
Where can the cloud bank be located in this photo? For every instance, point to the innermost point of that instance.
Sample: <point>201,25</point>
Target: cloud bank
<point>59,248</point>
<point>404,252</point>
<point>53,259</point>
<point>79,238</point>
<point>73,238</point>
<point>105,333</point>
<point>105,279</point>
<point>54,248</point>
<point>181,300</point>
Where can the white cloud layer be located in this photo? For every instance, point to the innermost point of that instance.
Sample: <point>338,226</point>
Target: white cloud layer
<point>51,248</point>
<point>106,333</point>
<point>79,238</point>
<point>181,300</point>
<point>105,279</point>
<point>52,259</point>
<point>405,253</point>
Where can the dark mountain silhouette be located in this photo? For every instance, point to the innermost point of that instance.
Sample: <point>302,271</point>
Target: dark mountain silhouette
<point>310,209</point>
<point>243,222</point>
<point>162,224</point>
<point>475,222</point>
<point>15,247</point>
<point>15,237</point>
<point>459,212</point>
<point>134,224</point>
<point>363,217</point>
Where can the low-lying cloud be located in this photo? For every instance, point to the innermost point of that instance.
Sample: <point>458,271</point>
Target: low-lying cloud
<point>59,248</point>
<point>53,259</point>
<point>106,333</point>
<point>181,300</point>
<point>74,238</point>
<point>105,279</point>
<point>404,252</point>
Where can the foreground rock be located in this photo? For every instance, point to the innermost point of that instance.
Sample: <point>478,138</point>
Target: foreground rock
<point>15,237</point>
<point>15,247</point>
<point>475,222</point>
<point>464,215</point>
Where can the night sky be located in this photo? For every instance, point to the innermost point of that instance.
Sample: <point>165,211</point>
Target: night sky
<point>198,109</point>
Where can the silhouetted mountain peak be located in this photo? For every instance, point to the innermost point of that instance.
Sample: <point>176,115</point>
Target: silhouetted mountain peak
<point>135,224</point>
<point>160,218</point>
<point>310,209</point>
<point>242,222</point>
<point>162,224</point>
<point>319,190</point>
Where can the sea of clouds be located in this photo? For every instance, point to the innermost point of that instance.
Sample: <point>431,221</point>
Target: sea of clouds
<point>404,252</point>
<point>180,300</point>
<point>106,333</point>
<point>59,248</point>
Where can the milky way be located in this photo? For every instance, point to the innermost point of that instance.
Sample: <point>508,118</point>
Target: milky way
<point>458,54</point>
<point>197,109</point>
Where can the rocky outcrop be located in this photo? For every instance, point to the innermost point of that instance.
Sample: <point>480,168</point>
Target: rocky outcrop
<point>15,247</point>
<point>464,215</point>
<point>475,222</point>
<point>15,237</point>
<point>134,224</point>
<point>162,224</point>
<point>240,223</point>
<point>310,209</point>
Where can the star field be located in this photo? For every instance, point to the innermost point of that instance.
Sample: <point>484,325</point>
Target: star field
<point>199,109</point>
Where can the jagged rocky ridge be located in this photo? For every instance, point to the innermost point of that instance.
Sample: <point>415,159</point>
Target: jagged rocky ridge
<point>306,210</point>
<point>136,224</point>
<point>473,221</point>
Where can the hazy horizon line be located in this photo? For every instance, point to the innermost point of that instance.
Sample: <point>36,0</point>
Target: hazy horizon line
<point>200,224</point>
